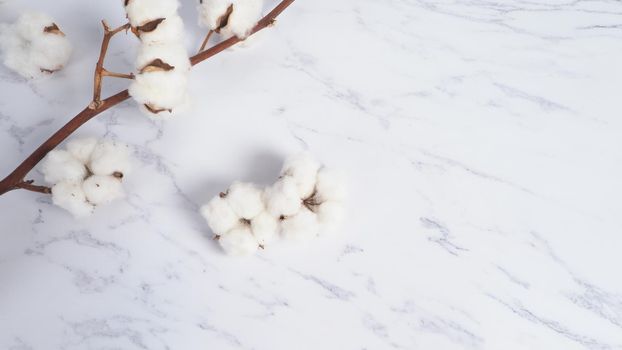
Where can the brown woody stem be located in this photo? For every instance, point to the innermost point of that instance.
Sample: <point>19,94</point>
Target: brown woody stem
<point>27,185</point>
<point>100,71</point>
<point>15,179</point>
<point>204,44</point>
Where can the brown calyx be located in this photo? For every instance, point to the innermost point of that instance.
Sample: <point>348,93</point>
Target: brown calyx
<point>147,27</point>
<point>157,65</point>
<point>224,19</point>
<point>156,110</point>
<point>53,29</point>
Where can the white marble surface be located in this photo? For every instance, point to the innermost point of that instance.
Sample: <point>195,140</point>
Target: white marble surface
<point>483,142</point>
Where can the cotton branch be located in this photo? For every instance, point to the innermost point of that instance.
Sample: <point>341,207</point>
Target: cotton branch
<point>15,179</point>
<point>100,71</point>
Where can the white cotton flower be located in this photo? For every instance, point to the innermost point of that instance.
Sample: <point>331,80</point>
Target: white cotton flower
<point>160,91</point>
<point>60,165</point>
<point>110,157</point>
<point>265,228</point>
<point>239,241</point>
<point>102,189</point>
<point>70,196</point>
<point>34,45</point>
<point>140,12</point>
<point>282,198</point>
<point>82,148</point>
<point>219,215</point>
<point>303,168</point>
<point>170,30</point>
<point>300,227</point>
<point>245,199</point>
<point>230,17</point>
<point>330,214</point>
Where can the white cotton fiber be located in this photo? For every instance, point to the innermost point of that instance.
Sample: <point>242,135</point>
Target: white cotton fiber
<point>245,199</point>
<point>33,46</point>
<point>300,227</point>
<point>244,16</point>
<point>102,189</point>
<point>219,215</point>
<point>70,196</point>
<point>60,165</point>
<point>239,241</point>
<point>110,157</point>
<point>303,168</point>
<point>171,30</point>
<point>265,228</point>
<point>330,185</point>
<point>330,214</point>
<point>142,11</point>
<point>165,90</point>
<point>282,198</point>
<point>82,148</point>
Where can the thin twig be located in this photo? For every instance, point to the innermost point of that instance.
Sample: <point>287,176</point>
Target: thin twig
<point>206,40</point>
<point>27,185</point>
<point>17,176</point>
<point>100,71</point>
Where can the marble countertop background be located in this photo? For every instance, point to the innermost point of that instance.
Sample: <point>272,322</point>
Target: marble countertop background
<point>483,143</point>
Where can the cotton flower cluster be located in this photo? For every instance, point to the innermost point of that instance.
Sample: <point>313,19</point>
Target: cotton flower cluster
<point>160,85</point>
<point>34,45</point>
<point>88,173</point>
<point>230,17</point>
<point>305,200</point>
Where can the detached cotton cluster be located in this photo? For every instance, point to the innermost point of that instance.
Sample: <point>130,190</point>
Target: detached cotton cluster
<point>88,173</point>
<point>306,200</point>
<point>160,85</point>
<point>34,45</point>
<point>230,17</point>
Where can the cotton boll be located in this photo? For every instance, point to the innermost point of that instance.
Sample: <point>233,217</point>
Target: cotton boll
<point>265,228</point>
<point>141,11</point>
<point>330,185</point>
<point>245,15</point>
<point>102,189</point>
<point>30,25</point>
<point>166,90</point>
<point>60,165</point>
<point>303,169</point>
<point>82,148</point>
<point>245,199</point>
<point>211,12</point>
<point>173,54</point>
<point>330,215</point>
<point>110,157</point>
<point>282,198</point>
<point>239,241</point>
<point>50,52</point>
<point>300,227</point>
<point>219,215</point>
<point>70,196</point>
<point>171,30</point>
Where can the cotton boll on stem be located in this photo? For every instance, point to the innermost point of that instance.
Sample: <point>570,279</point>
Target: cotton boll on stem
<point>70,196</point>
<point>243,18</point>
<point>82,148</point>
<point>170,30</point>
<point>239,242</point>
<point>102,189</point>
<point>60,165</point>
<point>141,11</point>
<point>219,215</point>
<point>110,158</point>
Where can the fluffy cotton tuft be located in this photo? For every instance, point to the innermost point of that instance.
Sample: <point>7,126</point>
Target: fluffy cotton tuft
<point>87,174</point>
<point>230,17</point>
<point>305,201</point>
<point>60,165</point>
<point>34,45</point>
<point>70,196</point>
<point>160,85</point>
